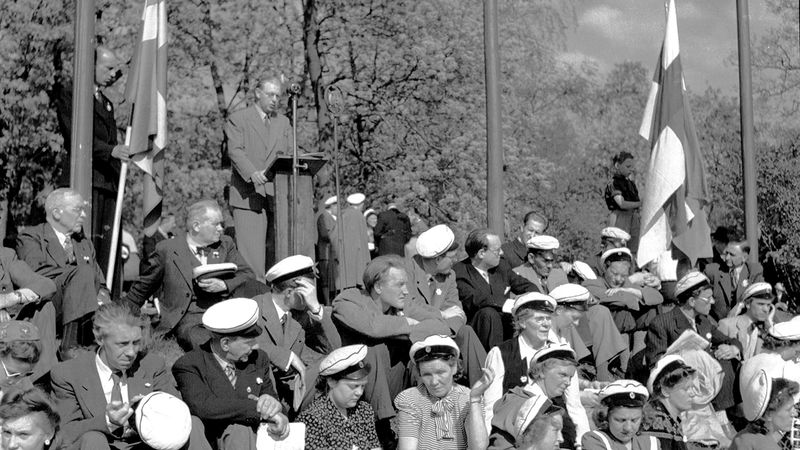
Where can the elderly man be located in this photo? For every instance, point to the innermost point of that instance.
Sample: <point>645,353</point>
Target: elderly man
<point>299,331</point>
<point>539,264</point>
<point>484,283</point>
<point>515,251</point>
<point>227,382</point>
<point>20,351</point>
<point>180,268</point>
<point>256,136</point>
<point>59,251</point>
<point>731,281</point>
<point>433,285</point>
<point>353,253</point>
<point>25,295</point>
<point>96,391</point>
<point>382,317</point>
<point>747,327</point>
<point>326,256</point>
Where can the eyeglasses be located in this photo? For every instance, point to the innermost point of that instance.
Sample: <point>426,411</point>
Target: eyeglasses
<point>706,299</point>
<point>10,375</point>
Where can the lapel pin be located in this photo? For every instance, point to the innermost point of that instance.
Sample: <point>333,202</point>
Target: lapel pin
<point>249,390</point>
<point>147,385</point>
<point>86,258</point>
<point>438,291</point>
<point>259,380</point>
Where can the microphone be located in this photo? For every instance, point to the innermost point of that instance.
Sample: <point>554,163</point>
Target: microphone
<point>294,89</point>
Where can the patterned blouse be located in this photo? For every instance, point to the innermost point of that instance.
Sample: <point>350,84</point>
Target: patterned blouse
<point>327,429</point>
<point>436,423</point>
<point>659,423</point>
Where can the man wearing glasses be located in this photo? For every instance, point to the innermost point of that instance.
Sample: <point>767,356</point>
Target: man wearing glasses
<point>20,349</point>
<point>59,250</point>
<point>484,283</point>
<point>256,135</point>
<point>539,266</point>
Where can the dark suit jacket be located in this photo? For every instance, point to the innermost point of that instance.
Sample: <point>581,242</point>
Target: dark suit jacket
<point>39,247</point>
<point>326,227</point>
<point>667,328</point>
<point>212,398</point>
<point>440,295</point>
<point>79,393</point>
<point>253,146</point>
<point>149,248</point>
<point>105,168</point>
<point>515,252</point>
<point>16,274</point>
<point>392,232</point>
<point>475,293</point>
<point>278,341</point>
<point>726,291</point>
<point>171,269</point>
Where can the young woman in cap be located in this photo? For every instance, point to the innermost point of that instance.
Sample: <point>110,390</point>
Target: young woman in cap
<point>439,413</point>
<point>618,419</point>
<point>622,197</point>
<point>339,419</point>
<point>539,425</point>
<point>769,405</point>
<point>30,420</point>
<point>671,385</point>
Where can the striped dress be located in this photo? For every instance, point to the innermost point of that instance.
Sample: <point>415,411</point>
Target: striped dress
<point>436,423</point>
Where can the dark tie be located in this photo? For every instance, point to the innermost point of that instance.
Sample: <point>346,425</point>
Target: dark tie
<point>116,391</point>
<point>283,321</point>
<point>69,250</point>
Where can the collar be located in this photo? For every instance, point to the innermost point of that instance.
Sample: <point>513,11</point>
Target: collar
<point>62,237</point>
<point>483,272</point>
<point>224,363</point>
<point>281,312</point>
<point>103,370</point>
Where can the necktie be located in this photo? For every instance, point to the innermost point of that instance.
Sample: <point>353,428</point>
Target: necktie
<point>230,372</point>
<point>283,321</point>
<point>116,391</point>
<point>69,250</point>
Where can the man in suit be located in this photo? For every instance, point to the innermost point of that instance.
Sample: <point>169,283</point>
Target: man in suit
<point>326,256</point>
<point>382,317</point>
<point>163,232</point>
<point>96,392</point>
<point>299,331</point>
<point>25,295</point>
<point>227,381</point>
<point>694,299</point>
<point>353,253</point>
<point>392,231</point>
<point>432,284</point>
<point>184,298</point>
<point>539,267</point>
<point>748,326</point>
<point>515,251</point>
<point>731,281</point>
<point>59,251</point>
<point>484,283</point>
<point>256,136</point>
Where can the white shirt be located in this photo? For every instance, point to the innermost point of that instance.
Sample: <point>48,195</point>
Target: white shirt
<point>193,247</point>
<point>107,382</point>
<point>484,274</point>
<point>62,238</point>
<point>572,395</point>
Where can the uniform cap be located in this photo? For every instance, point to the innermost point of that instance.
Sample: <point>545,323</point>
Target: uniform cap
<point>690,281</point>
<point>760,289</point>
<point>163,421</point>
<point>436,241</point>
<point>370,211</point>
<point>628,393</point>
<point>345,362</point>
<point>572,295</point>
<point>356,199</point>
<point>616,254</point>
<point>18,330</point>
<point>535,300</point>
<point>615,233</point>
<point>664,366</point>
<point>218,270</point>
<point>533,408</point>
<point>236,316</point>
<point>787,331</point>
<point>554,350</point>
<point>290,267</point>
<point>583,270</point>
<point>542,242</point>
<point>331,200</point>
<point>433,346</point>
<point>755,395</point>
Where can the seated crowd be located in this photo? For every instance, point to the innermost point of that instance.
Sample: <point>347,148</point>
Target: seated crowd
<point>507,348</point>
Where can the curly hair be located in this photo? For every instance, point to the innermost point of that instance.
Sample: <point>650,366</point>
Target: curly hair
<point>17,403</point>
<point>783,392</point>
<point>671,379</point>
<point>537,430</point>
<point>25,351</point>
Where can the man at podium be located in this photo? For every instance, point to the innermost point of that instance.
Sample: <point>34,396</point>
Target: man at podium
<point>256,135</point>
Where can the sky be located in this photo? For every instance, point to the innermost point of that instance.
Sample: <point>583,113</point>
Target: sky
<point>612,31</point>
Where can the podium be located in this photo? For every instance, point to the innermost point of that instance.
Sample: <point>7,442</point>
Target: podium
<point>298,239</point>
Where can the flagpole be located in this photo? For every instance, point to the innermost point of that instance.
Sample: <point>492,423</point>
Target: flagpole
<point>746,118</point>
<point>494,140</point>
<point>82,107</point>
<point>123,174</point>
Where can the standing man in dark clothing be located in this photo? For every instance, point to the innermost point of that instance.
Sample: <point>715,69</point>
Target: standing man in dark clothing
<point>622,198</point>
<point>326,257</point>
<point>105,165</point>
<point>515,250</point>
<point>392,231</point>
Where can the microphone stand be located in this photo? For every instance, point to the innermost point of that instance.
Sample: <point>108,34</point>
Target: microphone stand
<point>293,229</point>
<point>336,107</point>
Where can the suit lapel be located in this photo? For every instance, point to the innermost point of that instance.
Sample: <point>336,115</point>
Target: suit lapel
<point>270,315</point>
<point>261,129</point>
<point>53,247</point>
<point>91,385</point>
<point>183,253</point>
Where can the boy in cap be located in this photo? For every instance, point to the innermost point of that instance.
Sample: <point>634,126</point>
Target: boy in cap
<point>540,267</point>
<point>338,418</point>
<point>299,331</point>
<point>353,253</point>
<point>747,327</point>
<point>432,286</point>
<point>227,381</point>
